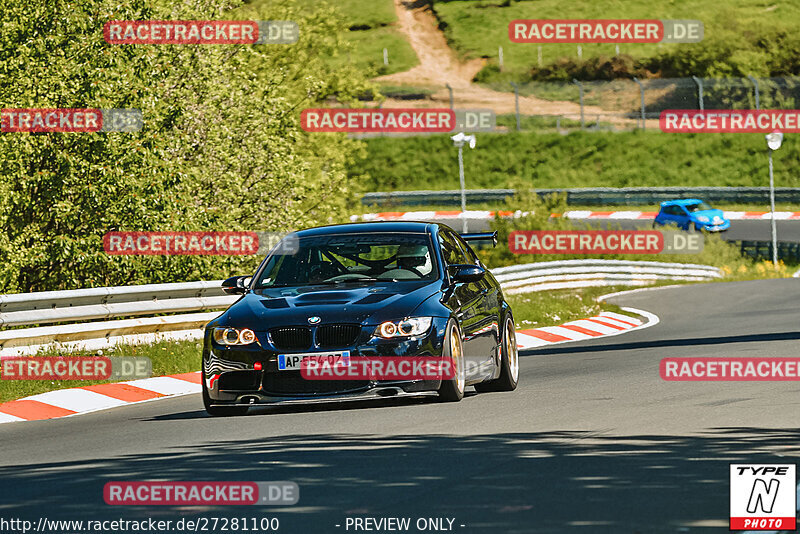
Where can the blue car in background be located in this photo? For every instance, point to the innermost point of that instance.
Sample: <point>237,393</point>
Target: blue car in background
<point>692,214</point>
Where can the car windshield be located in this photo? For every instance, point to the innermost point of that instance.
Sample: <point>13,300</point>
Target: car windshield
<point>702,206</point>
<point>349,258</point>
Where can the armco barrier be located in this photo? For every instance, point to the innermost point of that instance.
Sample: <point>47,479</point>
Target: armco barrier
<point>595,196</point>
<point>47,307</point>
<point>86,305</point>
<point>762,250</point>
<point>106,302</point>
<point>542,276</point>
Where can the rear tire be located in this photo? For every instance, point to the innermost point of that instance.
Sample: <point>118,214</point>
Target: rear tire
<point>509,362</point>
<point>453,390</point>
<point>219,411</point>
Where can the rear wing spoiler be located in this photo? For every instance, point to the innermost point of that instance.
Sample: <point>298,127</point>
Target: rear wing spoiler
<point>484,236</point>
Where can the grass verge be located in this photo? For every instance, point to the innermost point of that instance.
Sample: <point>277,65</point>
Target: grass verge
<point>168,358</point>
<point>738,35</point>
<point>552,308</point>
<point>369,28</point>
<point>579,159</point>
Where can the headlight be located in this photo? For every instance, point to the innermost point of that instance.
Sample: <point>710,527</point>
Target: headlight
<point>703,218</point>
<point>233,336</point>
<point>413,326</point>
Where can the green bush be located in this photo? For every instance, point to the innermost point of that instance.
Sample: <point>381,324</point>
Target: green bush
<point>579,159</point>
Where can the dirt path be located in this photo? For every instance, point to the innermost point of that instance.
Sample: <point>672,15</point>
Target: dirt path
<point>437,63</point>
<point>438,66</point>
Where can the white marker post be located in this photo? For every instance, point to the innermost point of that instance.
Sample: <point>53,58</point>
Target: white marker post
<point>774,141</point>
<point>458,140</point>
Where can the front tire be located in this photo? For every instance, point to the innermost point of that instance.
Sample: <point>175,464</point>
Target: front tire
<point>509,362</point>
<point>453,390</point>
<point>219,411</point>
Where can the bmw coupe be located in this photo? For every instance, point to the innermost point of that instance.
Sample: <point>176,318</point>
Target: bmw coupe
<point>378,290</point>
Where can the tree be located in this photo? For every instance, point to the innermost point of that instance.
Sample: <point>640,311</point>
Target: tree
<point>221,147</point>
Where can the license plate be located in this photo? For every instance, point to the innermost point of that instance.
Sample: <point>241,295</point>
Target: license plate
<point>294,362</point>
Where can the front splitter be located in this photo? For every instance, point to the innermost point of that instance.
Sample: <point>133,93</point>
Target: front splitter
<point>371,394</point>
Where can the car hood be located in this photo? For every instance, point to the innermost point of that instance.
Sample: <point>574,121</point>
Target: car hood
<point>708,213</point>
<point>346,303</point>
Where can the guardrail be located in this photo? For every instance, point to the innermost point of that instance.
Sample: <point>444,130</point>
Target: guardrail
<point>762,250</point>
<point>114,302</point>
<point>48,307</point>
<point>568,274</point>
<point>594,196</point>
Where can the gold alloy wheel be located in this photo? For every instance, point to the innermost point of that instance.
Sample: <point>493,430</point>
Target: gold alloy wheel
<point>458,358</point>
<point>511,350</point>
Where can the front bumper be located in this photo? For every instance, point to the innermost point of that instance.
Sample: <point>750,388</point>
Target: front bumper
<point>717,227</point>
<point>230,377</point>
<point>374,393</point>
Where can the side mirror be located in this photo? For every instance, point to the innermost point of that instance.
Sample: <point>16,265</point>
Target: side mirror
<point>236,285</point>
<point>467,273</point>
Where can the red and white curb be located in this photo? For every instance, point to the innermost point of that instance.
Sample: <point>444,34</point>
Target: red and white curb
<point>604,324</point>
<point>74,401</point>
<point>635,215</point>
<point>574,214</point>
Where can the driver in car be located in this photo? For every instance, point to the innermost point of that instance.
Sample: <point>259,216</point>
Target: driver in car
<point>414,258</point>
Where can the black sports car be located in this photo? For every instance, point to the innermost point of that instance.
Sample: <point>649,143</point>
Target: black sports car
<point>382,289</point>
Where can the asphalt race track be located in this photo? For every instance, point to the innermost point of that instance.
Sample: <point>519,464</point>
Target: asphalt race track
<point>752,230</point>
<point>592,441</point>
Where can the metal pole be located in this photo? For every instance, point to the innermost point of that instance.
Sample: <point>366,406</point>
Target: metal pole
<point>580,88</point>
<point>463,189</point>
<point>699,83</point>
<point>616,50</point>
<point>516,102</point>
<point>385,56</point>
<point>755,89</point>
<point>641,90</point>
<point>580,52</point>
<point>772,213</point>
<point>451,94</point>
<point>500,53</point>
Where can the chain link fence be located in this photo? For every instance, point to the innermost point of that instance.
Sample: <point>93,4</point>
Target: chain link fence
<point>621,104</point>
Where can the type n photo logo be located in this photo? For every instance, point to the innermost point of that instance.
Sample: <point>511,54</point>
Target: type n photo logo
<point>763,497</point>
